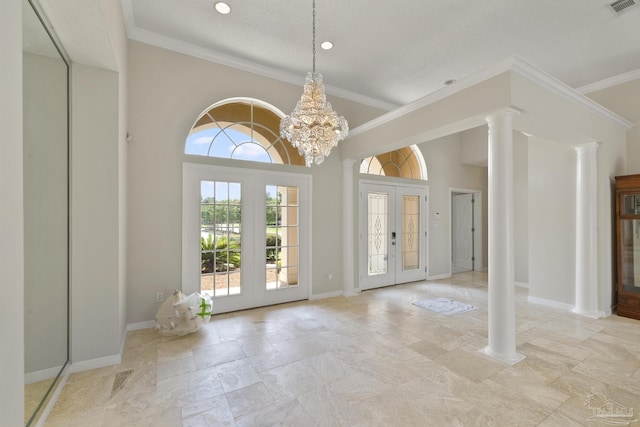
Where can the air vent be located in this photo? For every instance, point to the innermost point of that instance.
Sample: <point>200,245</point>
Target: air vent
<point>620,5</point>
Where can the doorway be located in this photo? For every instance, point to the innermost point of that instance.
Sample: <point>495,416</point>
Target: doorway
<point>246,236</point>
<point>392,234</point>
<point>466,214</point>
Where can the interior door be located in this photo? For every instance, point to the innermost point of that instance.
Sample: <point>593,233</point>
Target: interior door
<point>392,235</point>
<point>462,231</point>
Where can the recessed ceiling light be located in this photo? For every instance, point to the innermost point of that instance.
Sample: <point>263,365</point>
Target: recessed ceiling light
<point>223,7</point>
<point>326,45</point>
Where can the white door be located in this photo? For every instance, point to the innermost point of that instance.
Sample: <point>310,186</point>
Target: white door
<point>246,237</point>
<point>392,234</point>
<point>462,231</point>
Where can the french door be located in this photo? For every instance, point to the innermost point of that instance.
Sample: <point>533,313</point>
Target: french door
<point>245,236</point>
<point>392,234</point>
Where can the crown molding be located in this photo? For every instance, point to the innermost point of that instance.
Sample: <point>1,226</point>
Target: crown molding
<point>554,85</point>
<point>169,43</point>
<point>610,82</point>
<point>433,97</point>
<point>513,64</point>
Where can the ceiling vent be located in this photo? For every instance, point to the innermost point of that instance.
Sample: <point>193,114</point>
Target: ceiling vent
<point>620,5</point>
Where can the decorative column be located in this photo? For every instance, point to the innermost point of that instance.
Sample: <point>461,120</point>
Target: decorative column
<point>586,231</point>
<point>502,319</point>
<point>348,279</point>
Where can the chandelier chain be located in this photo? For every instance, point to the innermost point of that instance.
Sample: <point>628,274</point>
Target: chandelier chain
<point>314,35</point>
<point>313,127</point>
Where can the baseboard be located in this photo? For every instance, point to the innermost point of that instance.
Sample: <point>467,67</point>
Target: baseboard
<point>44,374</point>
<point>54,397</point>
<point>325,295</point>
<point>141,325</point>
<point>522,285</point>
<point>123,341</point>
<point>100,362</point>
<point>550,303</point>
<point>352,293</point>
<point>439,276</point>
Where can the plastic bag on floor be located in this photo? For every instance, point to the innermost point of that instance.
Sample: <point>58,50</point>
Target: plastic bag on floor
<point>182,315</point>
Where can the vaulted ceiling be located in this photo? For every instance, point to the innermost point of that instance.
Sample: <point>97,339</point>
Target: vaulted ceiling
<point>391,53</point>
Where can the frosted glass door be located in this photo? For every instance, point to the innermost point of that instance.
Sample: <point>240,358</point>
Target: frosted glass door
<point>377,233</point>
<point>393,239</point>
<point>412,242</point>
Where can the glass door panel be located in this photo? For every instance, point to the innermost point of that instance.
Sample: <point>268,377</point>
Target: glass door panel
<point>412,243</point>
<point>410,232</point>
<point>630,204</point>
<point>282,236</point>
<point>630,254</point>
<point>377,233</point>
<point>221,238</point>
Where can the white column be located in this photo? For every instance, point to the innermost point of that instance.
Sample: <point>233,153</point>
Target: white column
<point>502,319</point>
<point>348,280</point>
<point>586,231</point>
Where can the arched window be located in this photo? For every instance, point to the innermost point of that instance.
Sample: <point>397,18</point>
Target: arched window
<point>241,129</point>
<point>406,162</point>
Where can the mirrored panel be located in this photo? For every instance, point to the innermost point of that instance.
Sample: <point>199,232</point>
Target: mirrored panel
<point>46,211</point>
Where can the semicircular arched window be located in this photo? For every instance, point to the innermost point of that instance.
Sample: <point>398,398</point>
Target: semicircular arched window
<point>241,129</point>
<point>405,162</point>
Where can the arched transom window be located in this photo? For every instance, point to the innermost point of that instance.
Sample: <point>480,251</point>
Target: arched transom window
<point>406,162</point>
<point>241,129</point>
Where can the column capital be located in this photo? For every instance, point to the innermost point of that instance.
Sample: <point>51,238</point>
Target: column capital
<point>589,147</point>
<point>502,113</point>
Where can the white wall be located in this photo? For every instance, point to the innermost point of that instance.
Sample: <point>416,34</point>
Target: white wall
<point>119,42</point>
<point>443,158</point>
<point>167,91</point>
<point>95,303</point>
<point>610,163</point>
<point>521,207</point>
<point>11,216</point>
<point>624,100</point>
<point>475,146</point>
<point>552,210</point>
<point>633,150</point>
<point>614,158</point>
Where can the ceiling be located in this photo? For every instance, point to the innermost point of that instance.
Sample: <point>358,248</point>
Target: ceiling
<point>391,53</point>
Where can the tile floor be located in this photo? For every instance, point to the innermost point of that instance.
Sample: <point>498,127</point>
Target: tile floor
<point>369,360</point>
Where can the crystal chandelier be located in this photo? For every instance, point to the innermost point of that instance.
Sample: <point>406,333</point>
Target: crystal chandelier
<point>313,127</point>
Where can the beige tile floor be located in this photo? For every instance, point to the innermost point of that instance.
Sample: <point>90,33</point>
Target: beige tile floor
<point>369,360</point>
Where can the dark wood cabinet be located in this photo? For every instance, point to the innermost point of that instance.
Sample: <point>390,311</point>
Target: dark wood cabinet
<point>628,245</point>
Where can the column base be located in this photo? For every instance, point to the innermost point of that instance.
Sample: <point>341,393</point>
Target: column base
<point>510,359</point>
<point>589,313</point>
